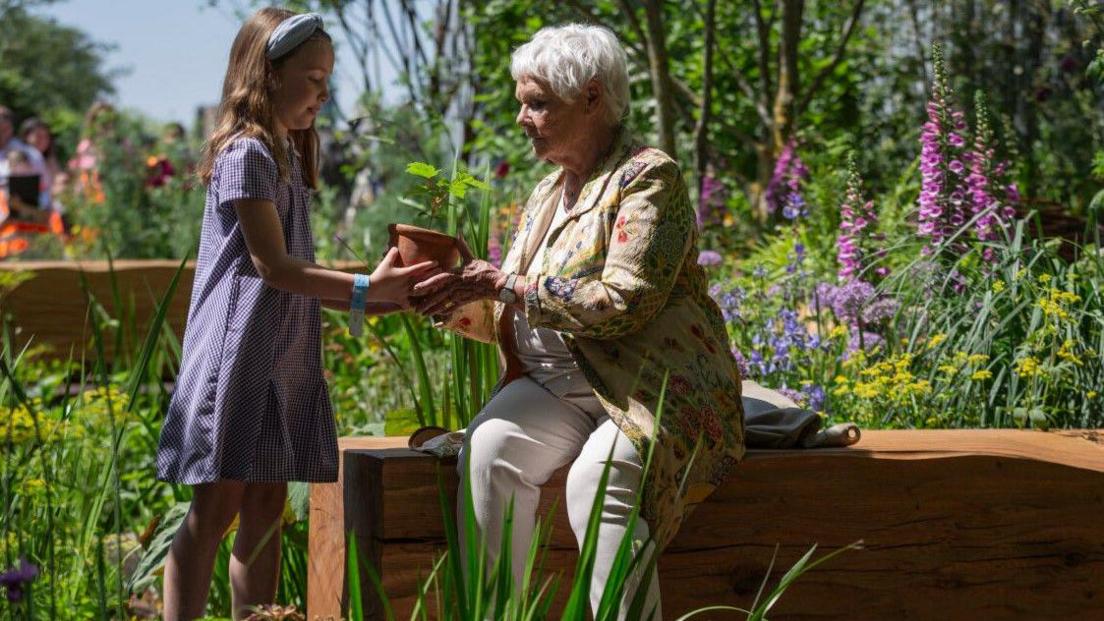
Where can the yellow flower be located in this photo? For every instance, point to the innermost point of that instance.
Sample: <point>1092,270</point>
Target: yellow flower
<point>998,286</point>
<point>1055,302</point>
<point>977,359</point>
<point>1028,366</point>
<point>949,369</point>
<point>1020,273</point>
<point>103,406</point>
<point>981,375</point>
<point>19,425</point>
<point>32,487</point>
<point>841,379</point>
<point>866,391</point>
<point>1044,278</point>
<point>934,341</point>
<point>837,332</point>
<point>1065,352</point>
<point>1092,394</point>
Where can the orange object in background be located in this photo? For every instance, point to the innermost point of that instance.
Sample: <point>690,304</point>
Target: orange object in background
<point>16,235</point>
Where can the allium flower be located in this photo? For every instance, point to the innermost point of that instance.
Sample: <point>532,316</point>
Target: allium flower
<point>865,341</point>
<point>783,192</point>
<point>856,305</point>
<point>848,300</point>
<point>880,310</point>
<point>16,579</point>
<point>710,258</point>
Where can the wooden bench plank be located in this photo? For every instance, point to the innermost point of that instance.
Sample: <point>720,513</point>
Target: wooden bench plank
<point>994,524</point>
<point>51,308</point>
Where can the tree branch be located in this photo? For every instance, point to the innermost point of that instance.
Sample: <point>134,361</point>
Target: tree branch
<point>763,31</point>
<point>359,45</point>
<point>807,96</point>
<point>748,91</point>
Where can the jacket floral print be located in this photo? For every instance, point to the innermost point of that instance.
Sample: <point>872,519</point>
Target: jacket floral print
<point>619,279</point>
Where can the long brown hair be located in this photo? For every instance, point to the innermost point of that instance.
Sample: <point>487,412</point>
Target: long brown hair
<point>246,107</point>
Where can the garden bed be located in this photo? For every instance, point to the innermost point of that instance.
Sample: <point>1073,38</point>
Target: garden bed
<point>957,524</point>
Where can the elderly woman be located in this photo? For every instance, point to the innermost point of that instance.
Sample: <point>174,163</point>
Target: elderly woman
<point>599,305</point>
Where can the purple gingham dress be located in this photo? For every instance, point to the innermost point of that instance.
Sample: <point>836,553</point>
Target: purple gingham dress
<point>250,402</point>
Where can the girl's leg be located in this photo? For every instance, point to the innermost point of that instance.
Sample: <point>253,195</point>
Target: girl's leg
<point>255,562</point>
<point>515,444</point>
<point>622,487</point>
<point>192,555</point>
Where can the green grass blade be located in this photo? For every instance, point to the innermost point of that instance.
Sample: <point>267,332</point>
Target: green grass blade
<point>352,579</point>
<point>425,386</point>
<point>138,372</point>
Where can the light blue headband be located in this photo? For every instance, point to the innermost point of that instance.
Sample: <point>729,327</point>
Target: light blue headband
<point>291,32</point>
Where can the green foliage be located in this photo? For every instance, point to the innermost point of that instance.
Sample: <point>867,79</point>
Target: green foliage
<point>119,207</point>
<point>48,70</point>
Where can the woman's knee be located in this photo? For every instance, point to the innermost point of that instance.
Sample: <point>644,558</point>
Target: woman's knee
<point>585,477</point>
<point>488,443</point>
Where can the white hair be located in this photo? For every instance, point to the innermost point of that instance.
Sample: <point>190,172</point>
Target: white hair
<point>567,57</point>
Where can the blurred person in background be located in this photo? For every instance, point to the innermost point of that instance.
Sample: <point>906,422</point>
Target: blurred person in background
<point>36,133</point>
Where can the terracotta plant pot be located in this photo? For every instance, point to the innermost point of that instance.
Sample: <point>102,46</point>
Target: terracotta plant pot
<point>417,244</point>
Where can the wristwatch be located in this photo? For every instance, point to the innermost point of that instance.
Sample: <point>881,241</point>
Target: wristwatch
<point>506,294</point>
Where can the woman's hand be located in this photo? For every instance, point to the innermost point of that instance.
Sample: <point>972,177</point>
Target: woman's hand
<point>440,294</point>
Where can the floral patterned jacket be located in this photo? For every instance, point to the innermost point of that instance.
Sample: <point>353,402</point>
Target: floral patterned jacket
<point>619,279</point>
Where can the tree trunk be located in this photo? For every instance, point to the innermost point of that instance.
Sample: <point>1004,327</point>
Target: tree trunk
<point>788,79</point>
<point>661,77</point>
<point>701,140</point>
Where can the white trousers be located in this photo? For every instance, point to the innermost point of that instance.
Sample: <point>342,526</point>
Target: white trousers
<point>518,441</point>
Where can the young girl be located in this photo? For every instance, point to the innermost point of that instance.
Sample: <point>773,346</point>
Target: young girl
<point>251,410</point>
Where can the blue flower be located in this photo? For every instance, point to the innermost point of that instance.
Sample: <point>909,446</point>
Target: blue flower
<point>815,396</point>
<point>16,579</point>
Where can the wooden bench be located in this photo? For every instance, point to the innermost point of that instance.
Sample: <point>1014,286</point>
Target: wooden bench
<point>957,524</point>
<point>51,308</point>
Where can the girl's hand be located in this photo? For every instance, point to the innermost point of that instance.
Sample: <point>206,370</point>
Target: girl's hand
<point>441,294</point>
<point>391,283</point>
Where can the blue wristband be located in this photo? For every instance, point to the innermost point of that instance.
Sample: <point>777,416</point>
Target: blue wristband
<point>356,304</point>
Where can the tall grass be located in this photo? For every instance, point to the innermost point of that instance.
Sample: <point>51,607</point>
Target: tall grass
<point>70,429</point>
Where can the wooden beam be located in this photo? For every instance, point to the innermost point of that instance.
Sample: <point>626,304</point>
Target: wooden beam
<point>51,308</point>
